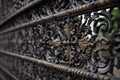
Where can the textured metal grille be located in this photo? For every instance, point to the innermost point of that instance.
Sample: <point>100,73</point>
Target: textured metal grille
<point>60,40</point>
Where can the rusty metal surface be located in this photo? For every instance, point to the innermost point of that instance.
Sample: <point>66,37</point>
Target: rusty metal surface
<point>75,71</point>
<point>20,11</point>
<point>77,40</point>
<point>71,12</point>
<point>9,7</point>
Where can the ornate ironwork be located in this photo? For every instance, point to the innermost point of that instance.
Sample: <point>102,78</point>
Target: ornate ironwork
<point>76,38</point>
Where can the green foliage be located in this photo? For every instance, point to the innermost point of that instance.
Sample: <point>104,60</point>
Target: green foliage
<point>116,13</point>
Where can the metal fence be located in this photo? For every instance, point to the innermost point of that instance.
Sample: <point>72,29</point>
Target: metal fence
<point>60,40</point>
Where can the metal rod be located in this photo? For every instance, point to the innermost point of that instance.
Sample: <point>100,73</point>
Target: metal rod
<point>70,12</point>
<point>59,67</point>
<point>8,73</point>
<point>20,11</point>
<point>1,77</point>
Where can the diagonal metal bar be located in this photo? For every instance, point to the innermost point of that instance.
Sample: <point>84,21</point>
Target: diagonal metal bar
<point>71,12</point>
<point>1,77</point>
<point>59,67</point>
<point>20,11</point>
<point>7,72</point>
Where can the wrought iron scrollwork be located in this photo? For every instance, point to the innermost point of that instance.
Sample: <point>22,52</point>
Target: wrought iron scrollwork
<point>115,47</point>
<point>87,41</point>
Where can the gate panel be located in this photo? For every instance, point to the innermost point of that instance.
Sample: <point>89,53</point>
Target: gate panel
<point>75,40</point>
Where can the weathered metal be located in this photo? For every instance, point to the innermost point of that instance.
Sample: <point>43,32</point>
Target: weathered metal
<point>71,12</point>
<point>67,69</point>
<point>20,11</point>
<point>77,40</point>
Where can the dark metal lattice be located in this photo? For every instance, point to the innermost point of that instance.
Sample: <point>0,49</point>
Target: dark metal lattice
<point>75,40</point>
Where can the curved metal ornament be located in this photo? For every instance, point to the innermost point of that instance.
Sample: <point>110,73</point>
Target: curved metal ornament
<point>86,42</point>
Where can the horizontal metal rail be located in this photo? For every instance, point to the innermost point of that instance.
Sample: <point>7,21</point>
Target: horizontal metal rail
<point>7,72</point>
<point>70,12</point>
<point>59,67</point>
<point>21,10</point>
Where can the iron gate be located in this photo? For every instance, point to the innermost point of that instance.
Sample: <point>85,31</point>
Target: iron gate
<point>60,40</point>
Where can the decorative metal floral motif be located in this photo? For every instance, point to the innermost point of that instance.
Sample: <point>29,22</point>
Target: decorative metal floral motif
<point>84,41</point>
<point>83,46</point>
